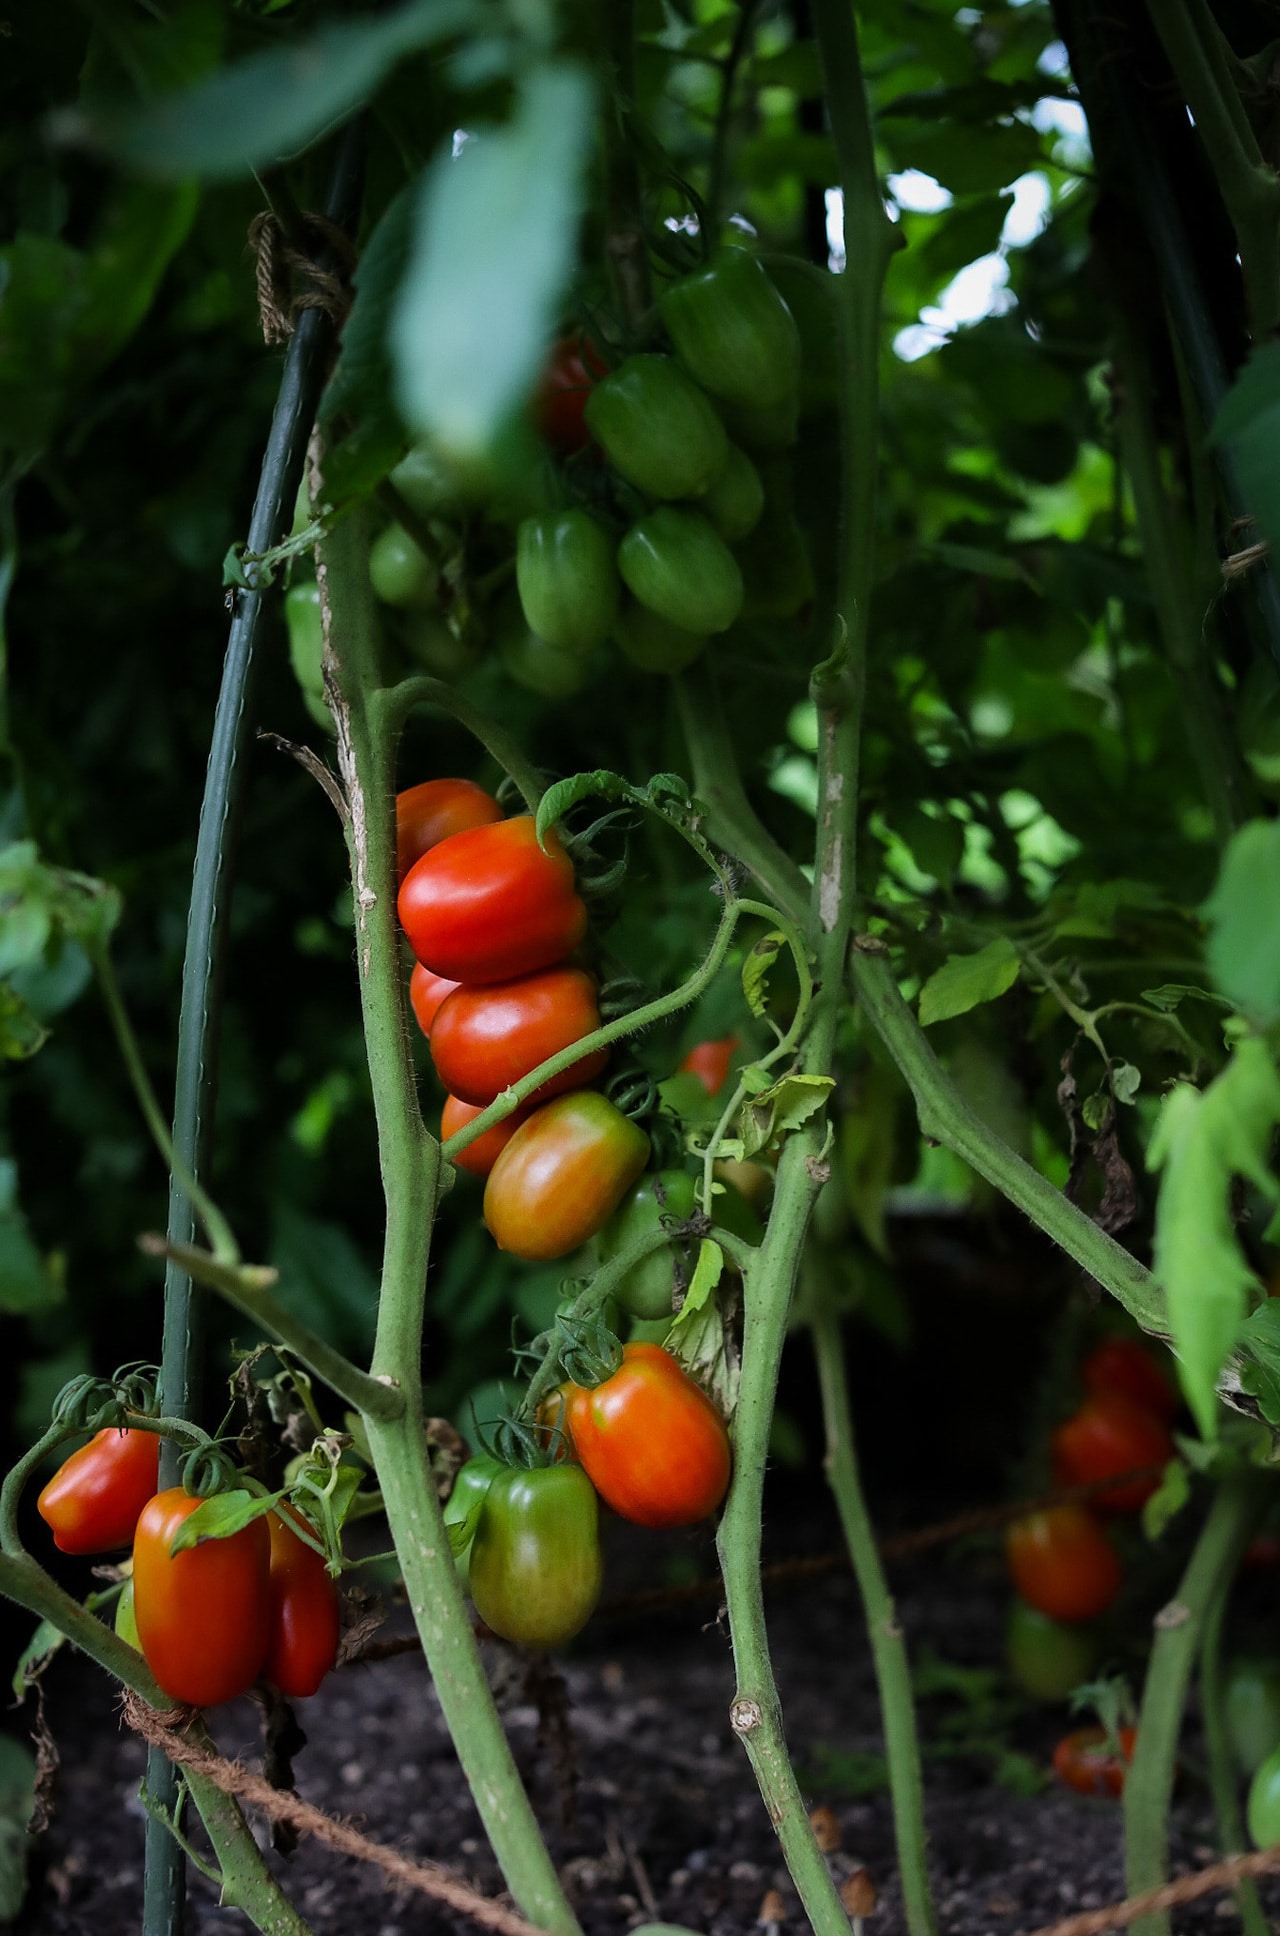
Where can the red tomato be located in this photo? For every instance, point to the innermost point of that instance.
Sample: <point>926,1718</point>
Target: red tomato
<point>1062,1562</point>
<point>305,1615</point>
<point>204,1614</point>
<point>1125,1366</point>
<point>429,813</point>
<point>1084,1761</point>
<point>426,992</point>
<point>1107,1436</point>
<point>562,1176</point>
<point>651,1442</point>
<point>484,1039</point>
<point>572,367</point>
<point>709,1061</point>
<point>489,904</point>
<point>93,1500</point>
<point>478,1157</point>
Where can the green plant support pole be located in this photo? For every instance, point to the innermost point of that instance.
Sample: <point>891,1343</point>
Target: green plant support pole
<point>164,1885</point>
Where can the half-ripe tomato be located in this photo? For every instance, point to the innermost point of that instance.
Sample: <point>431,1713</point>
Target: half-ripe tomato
<point>535,1566</point>
<point>93,1500</point>
<point>478,1157</point>
<point>204,1615</point>
<point>484,1039</point>
<point>572,368</point>
<point>651,1441</point>
<point>305,1614</point>
<point>428,813</point>
<point>709,1061</point>
<point>489,903</point>
<point>1125,1366</point>
<point>1107,1436</point>
<point>1086,1761</point>
<point>562,1176</point>
<point>1046,1657</point>
<point>426,992</point>
<point>1062,1562</point>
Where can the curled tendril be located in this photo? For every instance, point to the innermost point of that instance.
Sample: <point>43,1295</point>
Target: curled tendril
<point>206,1471</point>
<point>632,1091</point>
<point>136,1390</point>
<point>87,1402</point>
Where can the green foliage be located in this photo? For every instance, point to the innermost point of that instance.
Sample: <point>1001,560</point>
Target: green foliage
<point>1244,922</point>
<point>17,1796</point>
<point>966,981</point>
<point>1249,425</point>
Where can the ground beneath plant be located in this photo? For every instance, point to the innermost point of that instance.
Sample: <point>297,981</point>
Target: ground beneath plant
<point>654,1814</point>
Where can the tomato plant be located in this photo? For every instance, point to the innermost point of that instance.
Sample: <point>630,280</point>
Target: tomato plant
<point>653,644</point>
<point>1107,1436</point>
<point>93,1500</point>
<point>675,563</point>
<point>1123,1365</point>
<point>1062,1563</point>
<point>485,1038</point>
<point>1087,1761</point>
<point>401,572</point>
<point>651,1441</point>
<point>1251,1704</point>
<point>567,579</point>
<point>657,428</point>
<point>646,1289</point>
<point>489,903</point>
<point>430,812</point>
<point>204,1614</point>
<point>734,333</point>
<point>1047,1657</point>
<point>305,1616</point>
<point>480,1156</point>
<point>535,1569</point>
<point>1262,1807</point>
<point>572,368</point>
<point>735,502</point>
<point>470,1486</point>
<point>562,1175</point>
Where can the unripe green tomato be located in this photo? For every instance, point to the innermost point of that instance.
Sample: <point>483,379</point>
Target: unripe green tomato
<point>768,429</point>
<point>567,579</point>
<point>731,1210</point>
<point>1251,1706</point>
<point>733,332</point>
<point>654,644</point>
<point>1046,1657</point>
<point>541,667</point>
<point>736,499</point>
<point>1262,1810</point>
<point>469,1488</point>
<point>673,562</point>
<point>657,428</point>
<point>306,634</point>
<point>433,646</point>
<point>646,1289</point>
<point>126,1623</point>
<point>776,573</point>
<point>400,572</point>
<point>425,482</point>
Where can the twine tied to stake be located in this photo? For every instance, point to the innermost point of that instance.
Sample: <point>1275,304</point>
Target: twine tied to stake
<point>291,279</point>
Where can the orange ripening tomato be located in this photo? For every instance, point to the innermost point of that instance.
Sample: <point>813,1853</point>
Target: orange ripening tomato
<point>204,1615</point>
<point>426,992</point>
<point>1125,1366</point>
<point>1083,1761</point>
<point>305,1614</point>
<point>562,1176</point>
<point>709,1061</point>
<point>478,1157</point>
<point>484,1039</point>
<point>1107,1436</point>
<point>93,1500</point>
<point>572,367</point>
<point>489,904</point>
<point>429,813</point>
<point>1062,1562</point>
<point>650,1440</point>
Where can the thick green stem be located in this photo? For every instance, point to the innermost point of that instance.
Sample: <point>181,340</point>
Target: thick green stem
<point>1148,1784</point>
<point>389,709</point>
<point>1221,1756</point>
<point>410,1164</point>
<point>888,1645</point>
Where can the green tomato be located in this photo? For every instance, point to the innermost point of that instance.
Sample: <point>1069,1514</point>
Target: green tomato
<point>736,499</point>
<point>567,579</point>
<point>425,482</point>
<point>126,1623</point>
<point>654,644</point>
<point>306,647</point>
<point>536,1570</point>
<point>1046,1657</point>
<point>646,1289</point>
<point>733,332</point>
<point>1251,1703</point>
<point>657,428</point>
<point>673,562</point>
<point>433,646</point>
<point>400,572</point>
<point>541,667</point>
<point>765,428</point>
<point>776,574</point>
<point>731,1210</point>
<point>1262,1810</point>
<point>470,1488</point>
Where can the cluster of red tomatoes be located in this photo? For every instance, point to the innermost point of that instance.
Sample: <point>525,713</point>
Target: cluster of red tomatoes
<point>1064,1567</point>
<point>210,1619</point>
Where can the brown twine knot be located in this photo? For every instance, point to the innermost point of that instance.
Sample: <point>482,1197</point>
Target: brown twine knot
<point>292,279</point>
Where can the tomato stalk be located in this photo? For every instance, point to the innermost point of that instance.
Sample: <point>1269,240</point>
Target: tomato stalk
<point>367,727</point>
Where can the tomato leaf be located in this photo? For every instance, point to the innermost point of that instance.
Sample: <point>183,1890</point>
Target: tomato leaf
<point>461,1532</point>
<point>41,906</point>
<point>1170,1496</point>
<point>666,795</point>
<point>966,981</point>
<point>1259,1338</point>
<point>704,1346</point>
<point>17,1798</point>
<point>706,1275</point>
<point>43,1644</point>
<point>495,234</point>
<point>1243,912</point>
<point>786,1105</point>
<point>219,1517</point>
<point>756,967</point>
<point>1249,423</point>
<point>1125,1081</point>
<point>1203,1141</point>
<point>1171,994</point>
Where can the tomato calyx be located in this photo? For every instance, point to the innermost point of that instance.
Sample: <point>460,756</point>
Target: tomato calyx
<point>590,1352</point>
